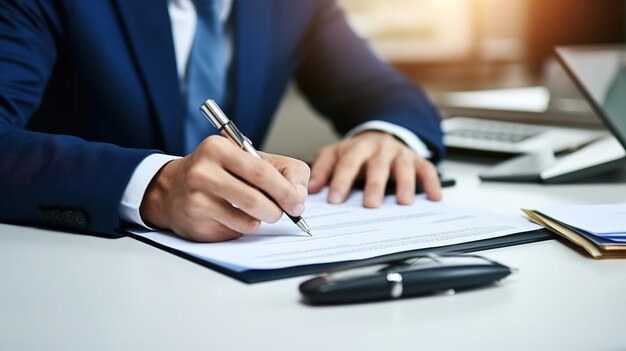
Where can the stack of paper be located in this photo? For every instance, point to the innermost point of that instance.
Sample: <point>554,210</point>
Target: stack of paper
<point>598,229</point>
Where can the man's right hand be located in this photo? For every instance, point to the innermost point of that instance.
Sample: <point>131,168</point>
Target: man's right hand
<point>219,192</point>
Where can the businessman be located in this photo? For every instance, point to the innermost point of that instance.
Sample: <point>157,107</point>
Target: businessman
<point>100,128</point>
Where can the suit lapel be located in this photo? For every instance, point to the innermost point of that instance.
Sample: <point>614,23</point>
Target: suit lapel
<point>252,46</point>
<point>149,31</point>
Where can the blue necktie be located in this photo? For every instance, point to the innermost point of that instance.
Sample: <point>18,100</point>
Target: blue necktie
<point>206,71</point>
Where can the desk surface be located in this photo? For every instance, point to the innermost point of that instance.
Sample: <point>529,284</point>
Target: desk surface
<point>64,291</point>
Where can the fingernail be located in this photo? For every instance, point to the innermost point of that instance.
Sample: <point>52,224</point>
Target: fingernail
<point>303,190</point>
<point>335,197</point>
<point>407,197</point>
<point>297,209</point>
<point>373,200</point>
<point>312,181</point>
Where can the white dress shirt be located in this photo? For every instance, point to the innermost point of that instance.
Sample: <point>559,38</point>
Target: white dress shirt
<point>183,18</point>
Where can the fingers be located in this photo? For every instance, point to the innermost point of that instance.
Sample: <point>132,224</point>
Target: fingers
<point>379,155</point>
<point>404,173</point>
<point>406,167</point>
<point>376,177</point>
<point>347,169</point>
<point>295,171</point>
<point>261,175</point>
<point>248,182</point>
<point>427,173</point>
<point>248,199</point>
<point>209,219</point>
<point>219,191</point>
<point>323,168</point>
<point>209,175</point>
<point>233,218</point>
<point>208,232</point>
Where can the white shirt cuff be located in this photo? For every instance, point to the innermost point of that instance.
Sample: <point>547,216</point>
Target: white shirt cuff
<point>407,136</point>
<point>136,188</point>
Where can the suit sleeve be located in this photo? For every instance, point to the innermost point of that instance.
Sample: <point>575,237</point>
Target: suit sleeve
<point>50,180</point>
<point>345,81</point>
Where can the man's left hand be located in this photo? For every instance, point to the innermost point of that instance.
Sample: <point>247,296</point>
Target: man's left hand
<point>377,156</point>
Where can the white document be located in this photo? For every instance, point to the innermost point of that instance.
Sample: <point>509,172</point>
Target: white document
<point>602,220</point>
<point>350,232</point>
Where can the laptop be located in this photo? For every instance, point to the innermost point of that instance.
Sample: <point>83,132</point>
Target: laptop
<point>599,72</point>
<point>521,120</point>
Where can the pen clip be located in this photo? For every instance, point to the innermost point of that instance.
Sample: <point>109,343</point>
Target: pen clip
<point>227,128</point>
<point>230,131</point>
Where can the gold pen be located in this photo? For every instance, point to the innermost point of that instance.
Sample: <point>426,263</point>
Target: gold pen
<point>227,128</point>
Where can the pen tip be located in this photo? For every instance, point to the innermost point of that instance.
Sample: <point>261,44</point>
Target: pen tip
<point>303,226</point>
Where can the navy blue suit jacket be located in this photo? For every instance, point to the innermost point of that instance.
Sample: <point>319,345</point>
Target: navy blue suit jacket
<point>89,88</point>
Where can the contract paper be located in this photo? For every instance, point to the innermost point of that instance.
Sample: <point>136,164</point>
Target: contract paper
<point>349,232</point>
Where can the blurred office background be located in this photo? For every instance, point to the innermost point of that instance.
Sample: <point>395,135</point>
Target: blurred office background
<point>458,45</point>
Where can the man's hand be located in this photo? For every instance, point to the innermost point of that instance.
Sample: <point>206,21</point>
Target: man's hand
<point>220,192</point>
<point>377,156</point>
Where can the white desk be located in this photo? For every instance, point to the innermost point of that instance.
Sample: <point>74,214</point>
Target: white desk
<point>72,292</point>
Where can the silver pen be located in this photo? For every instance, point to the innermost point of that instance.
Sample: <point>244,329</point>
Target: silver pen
<point>218,119</point>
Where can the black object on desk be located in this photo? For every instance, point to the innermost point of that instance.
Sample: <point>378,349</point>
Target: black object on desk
<point>415,276</point>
